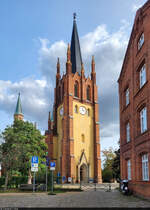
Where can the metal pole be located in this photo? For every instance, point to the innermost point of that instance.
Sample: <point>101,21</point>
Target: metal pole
<point>46,178</point>
<point>52,181</point>
<point>34,182</point>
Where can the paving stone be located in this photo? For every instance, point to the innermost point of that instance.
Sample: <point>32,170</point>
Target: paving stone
<point>92,198</point>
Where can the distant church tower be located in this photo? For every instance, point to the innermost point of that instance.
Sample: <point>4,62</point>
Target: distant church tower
<point>73,131</point>
<point>18,112</point>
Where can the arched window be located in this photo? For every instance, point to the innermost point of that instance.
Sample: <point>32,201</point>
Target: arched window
<point>76,109</point>
<point>76,89</point>
<point>88,93</point>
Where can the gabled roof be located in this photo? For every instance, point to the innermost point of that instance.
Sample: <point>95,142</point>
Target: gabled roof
<point>18,106</point>
<point>76,58</point>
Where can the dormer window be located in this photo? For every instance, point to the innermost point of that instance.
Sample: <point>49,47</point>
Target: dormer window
<point>141,41</point>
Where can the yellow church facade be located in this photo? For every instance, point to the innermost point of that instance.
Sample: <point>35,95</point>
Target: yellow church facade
<point>73,131</point>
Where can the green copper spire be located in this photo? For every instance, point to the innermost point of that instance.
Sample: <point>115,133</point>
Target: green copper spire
<point>18,107</point>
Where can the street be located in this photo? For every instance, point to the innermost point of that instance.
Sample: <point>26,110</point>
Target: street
<point>99,199</point>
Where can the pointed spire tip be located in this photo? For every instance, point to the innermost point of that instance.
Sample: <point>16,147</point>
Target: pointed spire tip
<point>74,16</point>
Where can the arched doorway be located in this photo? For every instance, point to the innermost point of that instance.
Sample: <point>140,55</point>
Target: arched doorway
<point>83,173</point>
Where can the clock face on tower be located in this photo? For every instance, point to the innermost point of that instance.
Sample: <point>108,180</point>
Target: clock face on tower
<point>82,110</point>
<point>61,111</point>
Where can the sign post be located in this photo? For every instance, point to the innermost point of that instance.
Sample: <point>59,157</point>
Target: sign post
<point>34,168</point>
<point>52,168</point>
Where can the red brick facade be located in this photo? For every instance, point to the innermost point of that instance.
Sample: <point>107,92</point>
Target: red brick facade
<point>135,143</point>
<point>65,94</point>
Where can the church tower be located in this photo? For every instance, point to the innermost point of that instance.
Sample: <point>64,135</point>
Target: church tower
<point>18,112</point>
<point>73,133</point>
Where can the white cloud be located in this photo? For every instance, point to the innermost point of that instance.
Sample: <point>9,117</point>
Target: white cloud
<point>37,95</point>
<point>35,98</point>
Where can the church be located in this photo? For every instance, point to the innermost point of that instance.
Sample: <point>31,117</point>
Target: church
<point>73,126</point>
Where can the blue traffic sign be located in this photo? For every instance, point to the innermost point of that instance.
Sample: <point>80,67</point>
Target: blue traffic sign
<point>58,174</point>
<point>35,159</point>
<point>52,164</point>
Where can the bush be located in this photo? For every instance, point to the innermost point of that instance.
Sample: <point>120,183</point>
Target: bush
<point>15,181</point>
<point>2,181</point>
<point>107,175</point>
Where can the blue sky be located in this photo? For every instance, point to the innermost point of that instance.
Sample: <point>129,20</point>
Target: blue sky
<point>34,33</point>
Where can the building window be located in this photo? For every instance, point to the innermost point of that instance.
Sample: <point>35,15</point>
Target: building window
<point>145,168</point>
<point>143,119</point>
<point>76,109</point>
<point>76,89</point>
<point>141,41</point>
<point>142,76</point>
<point>88,93</point>
<point>129,169</point>
<point>88,112</point>
<point>127,96</point>
<point>128,132</point>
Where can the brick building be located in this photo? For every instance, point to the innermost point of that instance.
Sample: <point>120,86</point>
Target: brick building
<point>134,98</point>
<point>73,132</point>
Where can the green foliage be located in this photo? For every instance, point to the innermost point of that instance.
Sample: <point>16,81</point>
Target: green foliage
<point>15,181</point>
<point>2,181</point>
<point>111,164</point>
<point>107,175</point>
<point>21,141</point>
<point>116,164</point>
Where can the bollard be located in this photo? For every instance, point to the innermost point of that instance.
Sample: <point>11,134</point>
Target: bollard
<point>95,186</point>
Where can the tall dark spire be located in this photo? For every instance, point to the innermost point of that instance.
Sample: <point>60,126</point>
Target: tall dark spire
<point>76,58</point>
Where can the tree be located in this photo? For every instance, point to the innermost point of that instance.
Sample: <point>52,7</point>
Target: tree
<point>107,172</point>
<point>21,141</point>
<point>116,164</point>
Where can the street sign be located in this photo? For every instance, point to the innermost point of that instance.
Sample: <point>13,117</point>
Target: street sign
<point>34,169</point>
<point>35,159</point>
<point>52,164</point>
<point>58,174</point>
<point>69,179</point>
<point>52,168</point>
<point>35,165</point>
<point>63,178</point>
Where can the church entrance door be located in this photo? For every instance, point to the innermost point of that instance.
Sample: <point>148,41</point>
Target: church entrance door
<point>83,173</point>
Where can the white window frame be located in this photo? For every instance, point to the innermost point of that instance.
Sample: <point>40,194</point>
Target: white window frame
<point>141,41</point>
<point>145,167</point>
<point>143,119</point>
<point>142,76</point>
<point>129,169</point>
<point>128,132</point>
<point>127,97</point>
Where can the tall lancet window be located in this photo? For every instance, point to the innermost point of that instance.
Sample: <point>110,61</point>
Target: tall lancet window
<point>76,89</point>
<point>88,93</point>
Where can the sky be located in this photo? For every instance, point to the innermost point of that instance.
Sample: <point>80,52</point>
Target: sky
<point>34,33</point>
